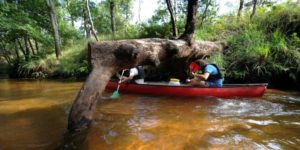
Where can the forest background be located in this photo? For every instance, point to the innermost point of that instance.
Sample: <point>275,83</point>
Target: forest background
<point>47,38</point>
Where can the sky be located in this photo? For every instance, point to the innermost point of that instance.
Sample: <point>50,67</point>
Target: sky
<point>148,7</point>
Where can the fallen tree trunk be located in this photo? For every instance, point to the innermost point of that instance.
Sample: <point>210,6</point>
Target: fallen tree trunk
<point>107,58</point>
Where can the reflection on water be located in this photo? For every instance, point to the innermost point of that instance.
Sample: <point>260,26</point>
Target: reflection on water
<point>33,115</point>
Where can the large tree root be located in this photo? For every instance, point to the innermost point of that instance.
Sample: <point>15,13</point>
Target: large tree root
<point>107,58</point>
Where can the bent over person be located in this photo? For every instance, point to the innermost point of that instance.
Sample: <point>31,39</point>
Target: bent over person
<point>210,77</point>
<point>136,75</point>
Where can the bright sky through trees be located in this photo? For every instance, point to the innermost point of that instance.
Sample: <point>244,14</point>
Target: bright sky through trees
<point>149,6</point>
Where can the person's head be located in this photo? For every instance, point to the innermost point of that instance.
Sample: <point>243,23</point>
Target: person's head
<point>202,63</point>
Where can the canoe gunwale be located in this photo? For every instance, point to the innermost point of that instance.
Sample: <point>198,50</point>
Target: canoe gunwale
<point>166,84</point>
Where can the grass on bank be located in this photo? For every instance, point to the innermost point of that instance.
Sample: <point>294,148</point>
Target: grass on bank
<point>72,63</point>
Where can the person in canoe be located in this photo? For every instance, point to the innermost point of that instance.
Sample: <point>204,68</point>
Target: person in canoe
<point>205,75</point>
<point>136,75</point>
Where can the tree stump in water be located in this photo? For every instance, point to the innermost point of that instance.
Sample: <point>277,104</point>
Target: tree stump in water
<point>108,57</point>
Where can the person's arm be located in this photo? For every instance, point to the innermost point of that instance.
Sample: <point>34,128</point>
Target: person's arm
<point>125,79</point>
<point>203,76</point>
<point>132,72</point>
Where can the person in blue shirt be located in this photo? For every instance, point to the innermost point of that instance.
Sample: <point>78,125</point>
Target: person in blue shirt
<point>210,77</point>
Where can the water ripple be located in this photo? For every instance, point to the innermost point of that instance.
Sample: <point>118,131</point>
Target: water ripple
<point>274,146</point>
<point>139,123</point>
<point>283,98</point>
<point>246,108</point>
<point>233,139</point>
<point>261,122</point>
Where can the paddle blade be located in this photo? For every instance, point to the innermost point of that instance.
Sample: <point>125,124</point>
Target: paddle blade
<point>115,95</point>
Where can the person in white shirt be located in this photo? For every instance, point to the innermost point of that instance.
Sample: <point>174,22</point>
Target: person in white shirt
<point>136,75</point>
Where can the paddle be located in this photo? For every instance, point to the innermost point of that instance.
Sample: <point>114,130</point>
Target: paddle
<point>116,93</point>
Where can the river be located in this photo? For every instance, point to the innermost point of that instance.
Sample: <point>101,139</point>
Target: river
<point>33,115</point>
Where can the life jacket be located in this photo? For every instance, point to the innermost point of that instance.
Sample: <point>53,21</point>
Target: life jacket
<point>141,73</point>
<point>215,77</point>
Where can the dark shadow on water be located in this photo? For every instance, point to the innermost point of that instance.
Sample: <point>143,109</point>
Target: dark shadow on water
<point>74,140</point>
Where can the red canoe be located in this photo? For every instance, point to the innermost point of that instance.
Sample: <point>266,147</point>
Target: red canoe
<point>227,91</point>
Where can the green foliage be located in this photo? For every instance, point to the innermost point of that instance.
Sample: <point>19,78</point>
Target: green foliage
<point>29,20</point>
<point>263,49</point>
<point>155,30</point>
<point>159,24</point>
<point>207,12</point>
<point>218,59</point>
<point>249,51</point>
<point>294,42</point>
<point>251,42</point>
<point>284,17</point>
<point>129,32</point>
<point>208,33</point>
<point>74,8</point>
<point>35,68</point>
<point>68,33</point>
<point>102,17</point>
<point>74,62</point>
<point>260,49</point>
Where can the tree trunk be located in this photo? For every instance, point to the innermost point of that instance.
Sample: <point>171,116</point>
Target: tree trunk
<point>204,15</point>
<point>17,53</point>
<point>112,17</point>
<point>86,20</point>
<point>170,8</point>
<point>175,12</point>
<point>22,49</point>
<point>253,9</point>
<point>57,40</point>
<point>190,22</point>
<point>109,57</point>
<point>89,20</point>
<point>30,44</point>
<point>27,49</point>
<point>72,20</point>
<point>84,105</point>
<point>7,59</point>
<point>36,46</point>
<point>240,9</point>
<point>5,54</point>
<point>86,27</point>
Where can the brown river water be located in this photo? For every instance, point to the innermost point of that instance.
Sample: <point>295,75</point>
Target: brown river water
<point>33,115</point>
